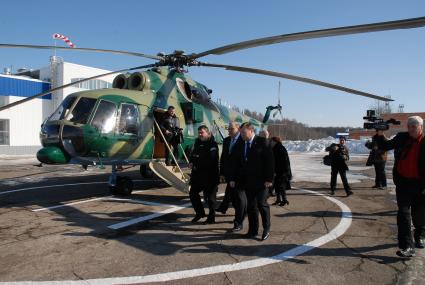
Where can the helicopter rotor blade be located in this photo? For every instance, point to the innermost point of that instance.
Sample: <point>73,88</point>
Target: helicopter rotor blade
<point>296,78</point>
<point>70,84</point>
<point>82,49</point>
<point>314,34</point>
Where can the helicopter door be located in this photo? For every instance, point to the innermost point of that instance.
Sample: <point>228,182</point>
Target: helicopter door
<point>159,147</point>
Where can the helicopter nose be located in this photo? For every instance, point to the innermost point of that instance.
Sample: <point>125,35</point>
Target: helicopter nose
<point>52,155</point>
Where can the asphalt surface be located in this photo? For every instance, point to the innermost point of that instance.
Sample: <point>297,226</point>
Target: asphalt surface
<point>61,224</point>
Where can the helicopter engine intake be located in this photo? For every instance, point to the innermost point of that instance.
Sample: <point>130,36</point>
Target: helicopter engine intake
<point>137,81</point>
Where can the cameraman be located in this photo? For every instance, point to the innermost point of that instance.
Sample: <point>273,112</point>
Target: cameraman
<point>378,158</point>
<point>339,156</point>
<point>409,178</point>
<point>170,127</point>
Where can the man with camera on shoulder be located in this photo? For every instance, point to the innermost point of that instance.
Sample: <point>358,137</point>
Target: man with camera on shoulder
<point>378,158</point>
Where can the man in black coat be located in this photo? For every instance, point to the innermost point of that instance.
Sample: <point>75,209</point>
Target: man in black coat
<point>237,196</point>
<point>205,174</point>
<point>282,170</point>
<point>253,171</point>
<point>339,156</point>
<point>170,127</point>
<point>409,178</point>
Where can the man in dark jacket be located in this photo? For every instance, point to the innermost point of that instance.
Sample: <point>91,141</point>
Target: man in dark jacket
<point>282,170</point>
<point>409,178</point>
<point>237,196</point>
<point>170,127</point>
<point>205,174</point>
<point>378,158</point>
<point>339,156</point>
<point>253,171</point>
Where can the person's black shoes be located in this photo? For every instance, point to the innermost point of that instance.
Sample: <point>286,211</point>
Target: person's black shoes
<point>237,229</point>
<point>266,235</point>
<point>221,210</point>
<point>276,203</point>
<point>283,203</point>
<point>332,192</point>
<point>349,193</point>
<point>406,253</point>
<point>250,235</point>
<point>375,186</point>
<point>198,217</point>
<point>419,243</point>
<point>209,220</point>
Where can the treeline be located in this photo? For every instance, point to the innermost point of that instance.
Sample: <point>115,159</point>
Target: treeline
<point>293,130</point>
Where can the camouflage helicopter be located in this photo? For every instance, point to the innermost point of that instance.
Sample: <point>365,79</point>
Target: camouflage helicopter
<point>120,125</point>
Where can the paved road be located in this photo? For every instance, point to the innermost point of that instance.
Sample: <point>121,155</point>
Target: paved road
<point>77,231</point>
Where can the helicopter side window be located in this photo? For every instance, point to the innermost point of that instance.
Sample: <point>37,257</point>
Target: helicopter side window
<point>105,117</point>
<point>129,119</point>
<point>81,112</point>
<point>63,109</point>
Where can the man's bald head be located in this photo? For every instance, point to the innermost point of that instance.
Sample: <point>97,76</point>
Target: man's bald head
<point>233,128</point>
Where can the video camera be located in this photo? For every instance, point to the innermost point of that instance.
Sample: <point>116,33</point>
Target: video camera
<point>373,122</point>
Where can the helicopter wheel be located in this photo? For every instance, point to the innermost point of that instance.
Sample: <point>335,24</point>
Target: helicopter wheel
<point>146,172</point>
<point>123,187</point>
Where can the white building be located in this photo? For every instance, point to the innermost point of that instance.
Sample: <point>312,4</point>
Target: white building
<point>20,125</point>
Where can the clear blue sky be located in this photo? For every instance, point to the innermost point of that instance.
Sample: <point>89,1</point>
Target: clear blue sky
<point>385,63</point>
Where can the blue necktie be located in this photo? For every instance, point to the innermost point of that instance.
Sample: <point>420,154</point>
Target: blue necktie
<point>247,147</point>
<point>232,143</point>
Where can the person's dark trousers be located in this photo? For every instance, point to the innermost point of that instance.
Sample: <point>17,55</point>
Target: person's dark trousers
<point>228,197</point>
<point>175,148</point>
<point>411,208</point>
<point>195,198</point>
<point>257,203</point>
<point>380,178</point>
<point>280,188</point>
<point>343,174</point>
<point>240,205</point>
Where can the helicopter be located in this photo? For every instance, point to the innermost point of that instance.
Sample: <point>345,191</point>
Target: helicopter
<point>120,125</point>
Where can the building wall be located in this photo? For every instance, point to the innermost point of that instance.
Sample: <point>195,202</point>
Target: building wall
<point>25,119</point>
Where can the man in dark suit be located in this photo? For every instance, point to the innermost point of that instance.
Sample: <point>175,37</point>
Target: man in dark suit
<point>253,171</point>
<point>237,196</point>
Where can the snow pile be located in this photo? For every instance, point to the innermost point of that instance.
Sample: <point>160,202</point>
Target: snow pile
<point>319,145</point>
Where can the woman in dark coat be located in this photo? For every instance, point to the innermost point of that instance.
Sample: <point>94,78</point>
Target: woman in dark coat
<point>283,173</point>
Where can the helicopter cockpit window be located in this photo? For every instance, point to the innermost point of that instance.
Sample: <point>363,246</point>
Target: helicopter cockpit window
<point>105,117</point>
<point>63,109</point>
<point>81,112</point>
<point>129,119</point>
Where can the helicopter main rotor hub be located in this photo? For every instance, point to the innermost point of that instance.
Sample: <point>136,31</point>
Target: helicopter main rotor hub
<point>178,60</point>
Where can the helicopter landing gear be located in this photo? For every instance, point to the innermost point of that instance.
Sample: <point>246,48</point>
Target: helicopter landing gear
<point>120,185</point>
<point>146,172</point>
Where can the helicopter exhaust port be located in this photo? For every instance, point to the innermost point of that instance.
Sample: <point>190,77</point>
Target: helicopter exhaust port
<point>121,81</point>
<point>137,81</point>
